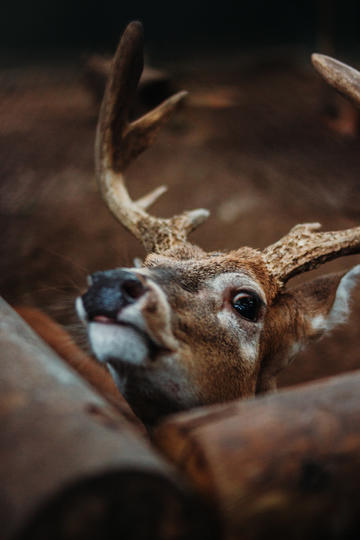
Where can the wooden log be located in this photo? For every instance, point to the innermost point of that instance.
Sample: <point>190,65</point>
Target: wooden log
<point>71,466</point>
<point>284,465</point>
<point>94,373</point>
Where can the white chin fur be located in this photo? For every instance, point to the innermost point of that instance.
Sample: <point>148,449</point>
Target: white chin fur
<point>115,342</point>
<point>80,310</point>
<point>119,379</point>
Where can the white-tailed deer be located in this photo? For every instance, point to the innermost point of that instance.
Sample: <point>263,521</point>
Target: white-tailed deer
<point>188,327</point>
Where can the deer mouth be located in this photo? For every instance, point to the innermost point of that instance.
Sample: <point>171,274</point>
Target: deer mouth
<point>123,344</point>
<point>121,337</point>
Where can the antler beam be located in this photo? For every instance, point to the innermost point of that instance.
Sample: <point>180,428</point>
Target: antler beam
<point>302,249</point>
<point>118,142</point>
<point>342,77</point>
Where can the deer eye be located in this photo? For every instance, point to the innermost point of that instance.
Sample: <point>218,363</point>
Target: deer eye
<point>247,304</point>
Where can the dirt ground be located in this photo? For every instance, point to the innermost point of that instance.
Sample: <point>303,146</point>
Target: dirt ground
<point>251,145</point>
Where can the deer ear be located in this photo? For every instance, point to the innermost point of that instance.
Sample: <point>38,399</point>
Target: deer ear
<point>324,303</point>
<point>301,315</point>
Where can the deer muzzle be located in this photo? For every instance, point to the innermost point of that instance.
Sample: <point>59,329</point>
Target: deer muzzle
<point>127,318</point>
<point>110,292</point>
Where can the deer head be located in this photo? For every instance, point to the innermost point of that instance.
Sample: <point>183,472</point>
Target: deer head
<point>188,327</point>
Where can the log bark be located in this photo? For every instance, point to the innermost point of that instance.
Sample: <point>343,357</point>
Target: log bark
<point>94,373</point>
<point>285,465</point>
<point>72,467</point>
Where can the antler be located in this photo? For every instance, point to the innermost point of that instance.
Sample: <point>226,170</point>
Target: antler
<point>118,142</point>
<point>302,250</point>
<point>343,78</point>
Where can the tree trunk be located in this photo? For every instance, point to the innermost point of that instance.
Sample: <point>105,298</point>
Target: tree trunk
<point>285,465</point>
<point>72,467</point>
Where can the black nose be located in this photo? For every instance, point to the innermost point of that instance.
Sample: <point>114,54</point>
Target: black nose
<point>110,292</point>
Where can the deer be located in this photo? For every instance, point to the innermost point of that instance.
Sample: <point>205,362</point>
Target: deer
<point>185,327</point>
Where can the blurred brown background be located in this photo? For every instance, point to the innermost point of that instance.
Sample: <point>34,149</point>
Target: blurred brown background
<point>260,142</point>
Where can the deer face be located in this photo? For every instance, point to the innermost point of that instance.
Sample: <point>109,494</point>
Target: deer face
<point>178,333</point>
<point>170,331</point>
<point>191,328</point>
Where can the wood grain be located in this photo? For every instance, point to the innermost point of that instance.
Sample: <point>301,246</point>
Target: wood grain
<point>285,465</point>
<point>72,466</point>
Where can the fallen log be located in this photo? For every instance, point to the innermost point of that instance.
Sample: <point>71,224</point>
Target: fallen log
<point>285,465</point>
<point>94,373</point>
<point>72,467</point>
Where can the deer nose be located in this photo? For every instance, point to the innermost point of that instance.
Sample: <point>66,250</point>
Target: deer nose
<point>110,292</point>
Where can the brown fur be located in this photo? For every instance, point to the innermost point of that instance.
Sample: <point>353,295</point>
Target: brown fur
<point>207,353</point>
<point>288,323</point>
<point>196,265</point>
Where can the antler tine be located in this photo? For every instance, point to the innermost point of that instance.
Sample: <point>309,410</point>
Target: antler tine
<point>302,249</point>
<point>343,78</point>
<point>118,142</point>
